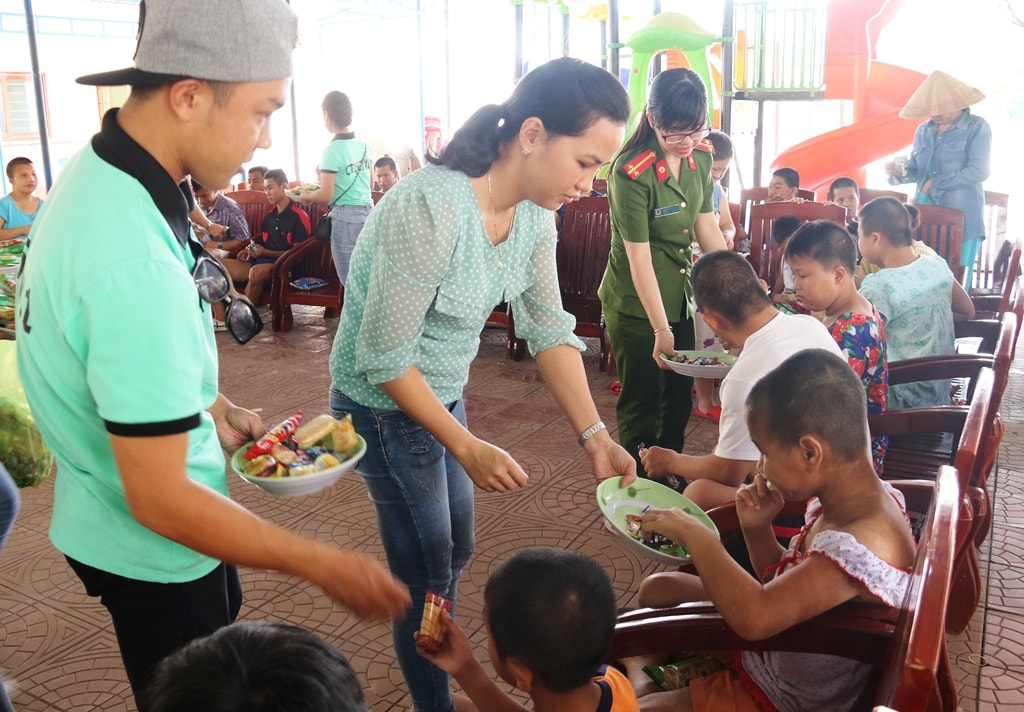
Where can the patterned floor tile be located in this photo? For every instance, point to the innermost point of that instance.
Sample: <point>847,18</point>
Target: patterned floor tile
<point>57,646</point>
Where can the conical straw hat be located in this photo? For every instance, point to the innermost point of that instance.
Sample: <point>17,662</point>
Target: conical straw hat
<point>940,94</point>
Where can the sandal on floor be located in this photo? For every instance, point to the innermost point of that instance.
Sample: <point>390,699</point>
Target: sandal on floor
<point>714,413</point>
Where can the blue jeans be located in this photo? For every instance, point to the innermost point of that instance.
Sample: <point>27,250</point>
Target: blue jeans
<point>346,224</point>
<point>9,503</point>
<point>424,504</point>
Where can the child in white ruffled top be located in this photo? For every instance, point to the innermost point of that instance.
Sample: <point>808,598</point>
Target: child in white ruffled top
<point>808,419</point>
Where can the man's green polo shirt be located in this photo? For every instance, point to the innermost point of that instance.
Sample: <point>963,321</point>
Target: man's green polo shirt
<point>113,339</point>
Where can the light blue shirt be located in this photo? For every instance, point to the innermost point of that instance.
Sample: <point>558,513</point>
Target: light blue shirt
<point>12,215</point>
<point>917,303</point>
<point>425,277</point>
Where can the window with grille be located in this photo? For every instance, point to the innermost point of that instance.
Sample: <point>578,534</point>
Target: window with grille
<point>18,118</point>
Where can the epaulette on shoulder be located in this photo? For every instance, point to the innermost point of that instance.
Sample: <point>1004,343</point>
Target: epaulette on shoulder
<point>641,163</point>
<point>706,146</point>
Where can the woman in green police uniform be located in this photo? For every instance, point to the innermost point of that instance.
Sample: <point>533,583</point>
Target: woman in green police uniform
<point>659,193</point>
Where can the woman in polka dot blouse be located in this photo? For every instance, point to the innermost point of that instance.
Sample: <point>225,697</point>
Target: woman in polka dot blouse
<point>445,245</point>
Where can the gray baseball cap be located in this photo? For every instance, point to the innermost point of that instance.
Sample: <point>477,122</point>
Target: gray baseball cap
<point>216,40</point>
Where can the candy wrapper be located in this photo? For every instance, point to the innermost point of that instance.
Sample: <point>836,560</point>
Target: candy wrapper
<point>432,632</point>
<point>275,435</point>
<point>678,675</point>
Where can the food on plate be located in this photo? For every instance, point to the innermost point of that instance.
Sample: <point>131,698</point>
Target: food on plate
<point>304,188</point>
<point>278,433</point>
<point>293,450</point>
<point>634,525</point>
<point>700,360</point>
<point>432,633</point>
<point>315,430</point>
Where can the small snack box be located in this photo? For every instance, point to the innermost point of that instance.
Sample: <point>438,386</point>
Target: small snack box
<point>432,633</point>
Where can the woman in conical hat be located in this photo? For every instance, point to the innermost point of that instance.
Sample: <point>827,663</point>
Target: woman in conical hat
<point>950,157</point>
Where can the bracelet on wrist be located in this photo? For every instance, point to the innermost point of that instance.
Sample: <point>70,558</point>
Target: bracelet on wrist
<point>590,432</point>
<point>664,328</point>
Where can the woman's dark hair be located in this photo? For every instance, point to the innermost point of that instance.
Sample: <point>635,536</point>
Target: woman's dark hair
<point>890,217</point>
<point>255,666</point>
<point>553,610</point>
<point>567,95</point>
<point>678,101</point>
<point>827,243</point>
<point>338,107</point>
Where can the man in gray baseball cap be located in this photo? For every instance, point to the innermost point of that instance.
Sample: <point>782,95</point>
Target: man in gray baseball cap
<point>116,348</point>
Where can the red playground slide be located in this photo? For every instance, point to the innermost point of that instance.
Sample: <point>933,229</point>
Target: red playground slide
<point>877,130</point>
<point>845,151</point>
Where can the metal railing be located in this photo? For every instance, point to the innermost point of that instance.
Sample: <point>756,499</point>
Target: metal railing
<point>780,46</point>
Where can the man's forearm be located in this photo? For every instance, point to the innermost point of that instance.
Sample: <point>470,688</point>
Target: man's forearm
<point>713,467</point>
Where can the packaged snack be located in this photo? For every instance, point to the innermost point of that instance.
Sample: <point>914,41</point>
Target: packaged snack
<point>308,283</point>
<point>314,431</point>
<point>275,435</point>
<point>344,436</point>
<point>263,466</point>
<point>432,633</point>
<point>678,675</point>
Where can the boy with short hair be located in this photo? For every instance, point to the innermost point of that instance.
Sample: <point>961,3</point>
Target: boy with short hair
<point>783,186</point>
<point>257,176</point>
<point>385,174</point>
<point>704,388</point>
<point>19,208</point>
<point>784,291</point>
<point>736,305</point>
<point>283,226</point>
<point>550,614</point>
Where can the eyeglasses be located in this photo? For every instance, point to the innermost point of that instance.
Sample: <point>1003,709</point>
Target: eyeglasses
<point>694,136</point>
<point>214,285</point>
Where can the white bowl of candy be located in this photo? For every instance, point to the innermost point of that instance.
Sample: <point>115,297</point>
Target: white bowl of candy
<point>294,459</point>
<point>701,364</point>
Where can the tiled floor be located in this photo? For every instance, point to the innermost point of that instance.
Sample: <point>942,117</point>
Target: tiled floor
<point>56,644</point>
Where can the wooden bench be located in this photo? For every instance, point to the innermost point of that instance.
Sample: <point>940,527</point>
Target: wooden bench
<point>310,258</point>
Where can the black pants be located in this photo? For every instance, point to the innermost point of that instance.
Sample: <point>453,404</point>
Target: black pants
<point>152,620</point>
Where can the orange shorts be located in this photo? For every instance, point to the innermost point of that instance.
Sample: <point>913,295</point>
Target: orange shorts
<point>721,692</point>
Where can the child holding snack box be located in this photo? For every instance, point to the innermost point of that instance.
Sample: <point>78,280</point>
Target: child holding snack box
<point>550,616</point>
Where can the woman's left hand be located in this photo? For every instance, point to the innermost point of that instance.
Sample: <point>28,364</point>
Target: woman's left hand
<point>610,459</point>
<point>664,343</point>
<point>926,188</point>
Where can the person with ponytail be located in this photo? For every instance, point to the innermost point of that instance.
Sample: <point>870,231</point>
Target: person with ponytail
<point>917,295</point>
<point>445,245</point>
<point>660,195</point>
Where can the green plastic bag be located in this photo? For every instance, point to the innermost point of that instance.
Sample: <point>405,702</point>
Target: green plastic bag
<point>22,449</point>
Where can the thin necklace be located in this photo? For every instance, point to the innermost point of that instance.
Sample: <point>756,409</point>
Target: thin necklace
<point>503,246</point>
